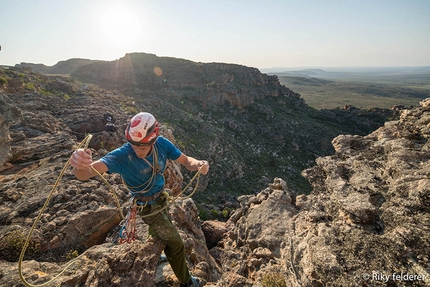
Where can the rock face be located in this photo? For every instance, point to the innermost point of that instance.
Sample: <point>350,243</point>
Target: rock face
<point>367,217</point>
<point>211,84</point>
<point>256,244</point>
<point>39,131</point>
<point>281,134</point>
<point>7,114</point>
<point>130,264</point>
<point>62,67</point>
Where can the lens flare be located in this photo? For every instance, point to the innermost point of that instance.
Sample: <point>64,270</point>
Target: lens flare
<point>158,71</point>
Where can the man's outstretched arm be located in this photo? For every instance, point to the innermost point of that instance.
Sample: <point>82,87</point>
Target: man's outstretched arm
<point>191,163</point>
<point>82,164</point>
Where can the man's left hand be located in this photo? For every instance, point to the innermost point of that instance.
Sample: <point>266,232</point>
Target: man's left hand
<point>203,165</point>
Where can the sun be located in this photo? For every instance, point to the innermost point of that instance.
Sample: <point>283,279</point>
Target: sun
<point>119,25</point>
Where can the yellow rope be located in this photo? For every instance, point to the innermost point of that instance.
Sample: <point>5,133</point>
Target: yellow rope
<point>172,199</point>
<point>146,186</point>
<point>84,144</point>
<point>111,190</point>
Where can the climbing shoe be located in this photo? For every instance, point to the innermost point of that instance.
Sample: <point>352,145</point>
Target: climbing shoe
<point>163,258</point>
<point>194,282</point>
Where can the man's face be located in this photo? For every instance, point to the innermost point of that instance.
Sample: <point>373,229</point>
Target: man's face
<point>142,151</point>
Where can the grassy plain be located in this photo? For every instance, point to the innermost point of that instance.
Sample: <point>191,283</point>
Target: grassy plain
<point>325,90</point>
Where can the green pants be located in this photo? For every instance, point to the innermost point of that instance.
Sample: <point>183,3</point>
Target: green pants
<point>161,227</point>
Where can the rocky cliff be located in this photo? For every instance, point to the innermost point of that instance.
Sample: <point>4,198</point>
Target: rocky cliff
<point>39,130</point>
<point>249,126</point>
<point>366,217</point>
<point>62,68</point>
<point>211,84</point>
<point>366,222</point>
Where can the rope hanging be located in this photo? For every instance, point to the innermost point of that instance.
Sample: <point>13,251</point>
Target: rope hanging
<point>83,144</point>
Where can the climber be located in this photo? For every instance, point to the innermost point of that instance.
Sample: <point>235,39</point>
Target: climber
<point>109,122</point>
<point>108,118</point>
<point>141,162</point>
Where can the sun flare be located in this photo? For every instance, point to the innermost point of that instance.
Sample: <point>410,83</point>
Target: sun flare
<point>120,25</point>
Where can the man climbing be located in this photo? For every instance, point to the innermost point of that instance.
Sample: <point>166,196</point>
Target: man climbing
<point>141,162</point>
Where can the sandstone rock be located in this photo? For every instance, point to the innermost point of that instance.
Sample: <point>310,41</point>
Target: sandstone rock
<point>102,265</point>
<point>39,134</point>
<point>368,213</point>
<point>215,83</point>
<point>213,231</point>
<point>8,115</point>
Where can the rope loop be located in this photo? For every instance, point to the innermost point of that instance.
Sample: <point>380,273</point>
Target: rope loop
<point>84,144</point>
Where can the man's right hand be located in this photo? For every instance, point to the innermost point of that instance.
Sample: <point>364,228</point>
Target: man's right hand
<point>81,159</point>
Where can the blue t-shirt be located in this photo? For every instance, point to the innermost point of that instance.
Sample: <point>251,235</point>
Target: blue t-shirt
<point>136,172</point>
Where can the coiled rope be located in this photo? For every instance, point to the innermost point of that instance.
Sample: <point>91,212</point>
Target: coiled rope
<point>128,230</point>
<point>84,144</point>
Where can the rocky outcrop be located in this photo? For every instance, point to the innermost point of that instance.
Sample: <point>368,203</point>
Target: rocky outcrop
<point>366,219</point>
<point>63,67</point>
<point>211,84</point>
<point>259,231</point>
<point>8,114</point>
<point>366,222</point>
<point>270,121</point>
<point>129,264</point>
<point>39,132</point>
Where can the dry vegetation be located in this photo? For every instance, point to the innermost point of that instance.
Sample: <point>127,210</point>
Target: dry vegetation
<point>382,92</point>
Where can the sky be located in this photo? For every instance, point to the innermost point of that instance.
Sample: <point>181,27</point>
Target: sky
<point>261,34</point>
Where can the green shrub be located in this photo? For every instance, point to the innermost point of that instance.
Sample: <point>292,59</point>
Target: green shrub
<point>3,81</point>
<point>45,92</point>
<point>274,279</point>
<point>203,214</point>
<point>29,86</point>
<point>12,244</point>
<point>214,213</point>
<point>72,254</point>
<point>225,213</point>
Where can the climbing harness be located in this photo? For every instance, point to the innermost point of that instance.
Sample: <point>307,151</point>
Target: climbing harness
<point>128,228</point>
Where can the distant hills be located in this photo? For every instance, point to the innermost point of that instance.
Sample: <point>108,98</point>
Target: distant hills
<point>363,87</point>
<point>391,74</point>
<point>69,66</point>
<point>334,70</point>
<point>61,68</point>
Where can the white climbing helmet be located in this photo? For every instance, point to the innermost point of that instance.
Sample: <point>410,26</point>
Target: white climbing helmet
<point>142,130</point>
